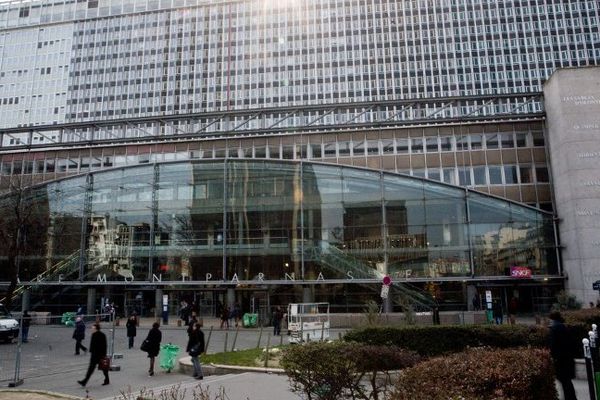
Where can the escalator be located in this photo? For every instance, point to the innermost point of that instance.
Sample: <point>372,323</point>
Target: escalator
<point>337,260</point>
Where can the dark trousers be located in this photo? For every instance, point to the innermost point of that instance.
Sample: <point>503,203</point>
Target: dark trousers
<point>276,328</point>
<point>568,389</point>
<point>131,341</point>
<point>24,334</point>
<point>93,365</point>
<point>78,346</point>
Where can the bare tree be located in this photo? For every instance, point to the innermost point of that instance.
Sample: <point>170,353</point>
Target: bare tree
<point>17,214</point>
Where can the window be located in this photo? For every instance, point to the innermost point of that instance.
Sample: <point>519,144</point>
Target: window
<point>344,149</point>
<point>329,150</point>
<point>387,146</point>
<point>315,150</point>
<point>449,176</point>
<point>538,139</point>
<point>491,141</point>
<point>416,145</point>
<point>526,174</point>
<point>401,146</point>
<point>495,175</point>
<point>373,147</point>
<point>464,177</point>
<point>541,173</point>
<point>359,148</point>
<point>446,143</point>
<point>479,175</point>
<point>508,141</point>
<point>432,145</point>
<point>476,141</point>
<point>521,140</point>
<point>510,174</point>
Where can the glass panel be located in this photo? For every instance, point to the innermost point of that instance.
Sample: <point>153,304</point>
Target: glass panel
<point>401,146</point>
<point>508,141</point>
<point>476,141</point>
<point>479,175</point>
<point>495,175</point>
<point>432,144</point>
<point>416,145</point>
<point>491,141</point>
<point>510,174</point>
<point>359,148</point>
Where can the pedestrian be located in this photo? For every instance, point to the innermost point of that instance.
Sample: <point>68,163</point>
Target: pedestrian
<point>225,316</point>
<point>195,347</point>
<point>497,312</point>
<point>476,302</point>
<point>154,338</point>
<point>237,314</point>
<point>79,335</point>
<point>193,320</point>
<point>25,322</point>
<point>131,329</point>
<point>562,354</point>
<point>277,317</point>
<point>97,353</point>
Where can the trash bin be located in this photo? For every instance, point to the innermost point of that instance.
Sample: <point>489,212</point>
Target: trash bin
<point>250,320</point>
<point>68,319</point>
<point>168,354</point>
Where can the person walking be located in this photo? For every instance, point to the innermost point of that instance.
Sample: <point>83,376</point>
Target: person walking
<point>497,312</point>
<point>562,354</point>
<point>131,329</point>
<point>225,316</point>
<point>195,347</point>
<point>97,353</point>
<point>154,338</point>
<point>237,314</point>
<point>79,335</point>
<point>277,317</point>
<point>25,322</point>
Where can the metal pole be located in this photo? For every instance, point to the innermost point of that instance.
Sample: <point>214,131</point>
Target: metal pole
<point>589,368</point>
<point>267,350</point>
<point>208,339</point>
<point>237,331</point>
<point>259,337</point>
<point>17,381</point>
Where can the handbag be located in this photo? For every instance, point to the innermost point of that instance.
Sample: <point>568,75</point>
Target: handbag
<point>145,346</point>
<point>104,364</point>
<point>195,350</point>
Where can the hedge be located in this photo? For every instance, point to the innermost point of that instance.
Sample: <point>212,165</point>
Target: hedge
<point>341,370</point>
<point>507,374</point>
<point>438,340</point>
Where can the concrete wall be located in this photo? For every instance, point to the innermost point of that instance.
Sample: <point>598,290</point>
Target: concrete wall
<point>572,102</point>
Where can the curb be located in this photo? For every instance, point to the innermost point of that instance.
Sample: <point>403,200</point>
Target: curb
<point>185,366</point>
<point>52,395</point>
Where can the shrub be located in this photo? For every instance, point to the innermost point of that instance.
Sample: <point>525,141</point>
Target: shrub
<point>438,340</point>
<point>508,374</point>
<point>338,370</point>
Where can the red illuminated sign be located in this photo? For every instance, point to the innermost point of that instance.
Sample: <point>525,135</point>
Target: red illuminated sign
<point>520,272</point>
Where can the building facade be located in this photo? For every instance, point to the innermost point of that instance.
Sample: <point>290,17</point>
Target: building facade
<point>444,93</point>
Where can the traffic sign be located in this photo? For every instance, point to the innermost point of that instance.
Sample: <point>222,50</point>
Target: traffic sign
<point>385,290</point>
<point>387,281</point>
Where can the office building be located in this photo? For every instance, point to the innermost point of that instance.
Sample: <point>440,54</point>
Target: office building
<point>270,152</point>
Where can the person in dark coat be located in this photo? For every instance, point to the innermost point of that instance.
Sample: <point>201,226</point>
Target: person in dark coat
<point>497,312</point>
<point>79,335</point>
<point>562,354</point>
<point>25,322</point>
<point>195,347</point>
<point>131,329</point>
<point>277,317</point>
<point>97,352</point>
<point>154,338</point>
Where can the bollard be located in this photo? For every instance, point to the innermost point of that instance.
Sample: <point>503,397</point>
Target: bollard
<point>17,380</point>
<point>225,347</point>
<point>267,350</point>
<point>259,337</point>
<point>322,330</point>
<point>237,331</point>
<point>208,339</point>
<point>589,368</point>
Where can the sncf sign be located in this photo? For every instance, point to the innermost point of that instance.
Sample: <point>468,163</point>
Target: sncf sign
<point>520,272</point>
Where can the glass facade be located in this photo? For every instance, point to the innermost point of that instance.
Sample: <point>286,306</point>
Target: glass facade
<point>271,222</point>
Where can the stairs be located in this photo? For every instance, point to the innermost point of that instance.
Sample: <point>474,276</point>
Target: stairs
<point>66,267</point>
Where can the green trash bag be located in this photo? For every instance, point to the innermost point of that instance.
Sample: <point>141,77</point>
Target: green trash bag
<point>68,319</point>
<point>250,320</point>
<point>168,355</point>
